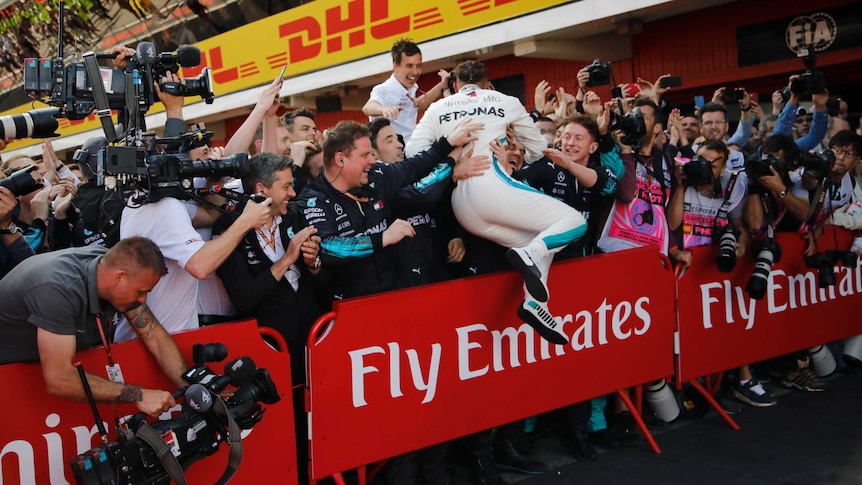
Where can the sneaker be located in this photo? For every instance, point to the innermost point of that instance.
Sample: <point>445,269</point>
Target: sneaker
<point>626,431</point>
<point>603,438</point>
<point>577,443</point>
<point>753,393</point>
<point>506,457</point>
<point>804,380</point>
<point>537,316</point>
<point>483,470</point>
<point>520,260</point>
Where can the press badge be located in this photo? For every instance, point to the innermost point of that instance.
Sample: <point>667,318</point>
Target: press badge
<point>115,374</point>
<point>855,209</point>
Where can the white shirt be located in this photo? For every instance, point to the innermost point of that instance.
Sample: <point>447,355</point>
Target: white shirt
<point>173,301</point>
<point>392,93</point>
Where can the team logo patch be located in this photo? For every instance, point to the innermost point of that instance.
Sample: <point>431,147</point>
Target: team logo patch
<point>311,202</point>
<point>378,205</point>
<point>338,209</point>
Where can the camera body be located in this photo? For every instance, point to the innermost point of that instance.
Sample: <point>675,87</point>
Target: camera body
<point>759,166</point>
<point>817,165</point>
<point>825,261</point>
<point>730,96</point>
<point>809,82</point>
<point>632,125</point>
<point>697,171</point>
<point>600,73</point>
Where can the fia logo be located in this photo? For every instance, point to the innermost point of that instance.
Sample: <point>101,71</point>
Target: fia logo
<point>817,31</point>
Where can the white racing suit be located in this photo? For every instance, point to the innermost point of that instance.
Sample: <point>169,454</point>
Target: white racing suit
<point>494,205</point>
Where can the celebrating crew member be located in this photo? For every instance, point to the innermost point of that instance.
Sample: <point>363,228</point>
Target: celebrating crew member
<point>48,316</point>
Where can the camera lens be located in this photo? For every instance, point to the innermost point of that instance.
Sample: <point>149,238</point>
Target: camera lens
<point>759,280</point>
<point>38,123</point>
<point>21,182</point>
<point>726,259</point>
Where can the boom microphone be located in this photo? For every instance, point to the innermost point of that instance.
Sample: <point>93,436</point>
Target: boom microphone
<point>198,398</point>
<point>241,371</point>
<point>188,56</point>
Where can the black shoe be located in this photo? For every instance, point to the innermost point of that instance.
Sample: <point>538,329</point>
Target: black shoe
<point>626,431</point>
<point>506,457</point>
<point>579,446</point>
<point>539,317</point>
<point>483,470</point>
<point>521,260</point>
<point>603,438</point>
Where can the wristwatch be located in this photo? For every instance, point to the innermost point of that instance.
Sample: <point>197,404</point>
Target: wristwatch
<point>317,263</point>
<point>782,194</point>
<point>10,229</point>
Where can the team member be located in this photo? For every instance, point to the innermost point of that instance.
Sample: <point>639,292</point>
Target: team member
<point>51,306</point>
<point>397,98</point>
<point>350,204</point>
<point>533,225</point>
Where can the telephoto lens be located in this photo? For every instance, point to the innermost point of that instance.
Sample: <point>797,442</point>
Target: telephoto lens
<point>38,123</point>
<point>770,253</point>
<point>22,182</point>
<point>726,259</point>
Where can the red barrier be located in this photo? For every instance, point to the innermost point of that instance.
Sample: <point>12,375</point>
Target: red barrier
<point>720,328</point>
<point>404,370</point>
<point>40,433</point>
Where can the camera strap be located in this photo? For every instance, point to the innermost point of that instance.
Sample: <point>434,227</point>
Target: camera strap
<point>822,189</point>
<point>103,110</point>
<point>722,211</point>
<point>170,462</point>
<point>163,452</point>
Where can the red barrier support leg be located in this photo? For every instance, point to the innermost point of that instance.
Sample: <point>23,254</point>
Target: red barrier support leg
<point>377,468</point>
<point>714,404</point>
<point>639,420</point>
<point>360,475</point>
<point>339,480</point>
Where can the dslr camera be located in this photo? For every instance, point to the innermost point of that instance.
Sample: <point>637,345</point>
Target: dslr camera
<point>632,125</point>
<point>825,261</point>
<point>697,171</point>
<point>817,165</point>
<point>600,73</point>
<point>21,182</point>
<point>203,425</point>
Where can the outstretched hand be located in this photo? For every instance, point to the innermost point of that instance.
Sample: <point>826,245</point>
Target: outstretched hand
<point>463,133</point>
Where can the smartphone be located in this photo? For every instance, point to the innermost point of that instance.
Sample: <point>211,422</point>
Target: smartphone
<point>670,82</point>
<point>698,101</point>
<point>283,69</point>
<point>754,97</point>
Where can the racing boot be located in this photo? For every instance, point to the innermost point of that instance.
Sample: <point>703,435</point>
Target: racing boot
<point>538,316</point>
<point>524,261</point>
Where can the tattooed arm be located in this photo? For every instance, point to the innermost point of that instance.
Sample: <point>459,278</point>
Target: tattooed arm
<point>57,354</point>
<point>158,342</point>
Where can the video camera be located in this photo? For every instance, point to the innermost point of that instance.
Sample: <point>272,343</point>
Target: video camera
<point>145,453</point>
<point>161,175</point>
<point>69,87</point>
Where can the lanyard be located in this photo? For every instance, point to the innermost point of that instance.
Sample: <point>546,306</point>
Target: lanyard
<point>105,341</point>
<point>272,233</point>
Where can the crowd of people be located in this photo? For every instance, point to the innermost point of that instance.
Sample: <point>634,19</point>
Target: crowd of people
<point>457,181</point>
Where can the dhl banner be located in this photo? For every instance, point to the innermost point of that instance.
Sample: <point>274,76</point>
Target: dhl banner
<point>322,34</point>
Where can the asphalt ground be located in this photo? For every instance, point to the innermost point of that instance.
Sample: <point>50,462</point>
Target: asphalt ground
<point>808,438</point>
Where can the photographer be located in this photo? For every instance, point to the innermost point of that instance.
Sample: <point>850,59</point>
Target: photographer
<point>47,316</point>
<point>14,248</point>
<point>793,114</point>
<point>189,259</point>
<point>775,178</point>
<point>713,121</point>
<point>840,204</point>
